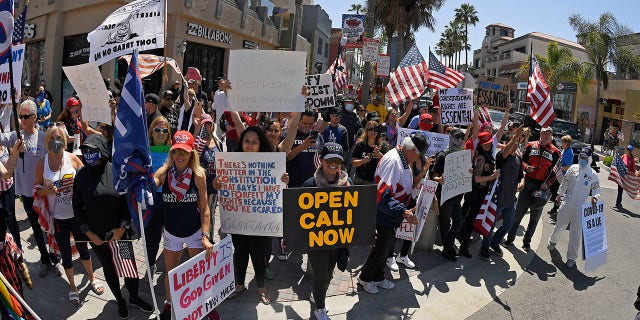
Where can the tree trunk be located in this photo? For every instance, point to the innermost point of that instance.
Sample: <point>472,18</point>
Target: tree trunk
<point>371,9</point>
<point>466,44</point>
<point>595,124</point>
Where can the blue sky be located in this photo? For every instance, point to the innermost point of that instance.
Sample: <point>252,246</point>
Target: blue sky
<point>546,16</point>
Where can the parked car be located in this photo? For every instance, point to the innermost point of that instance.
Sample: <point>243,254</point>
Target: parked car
<point>560,128</point>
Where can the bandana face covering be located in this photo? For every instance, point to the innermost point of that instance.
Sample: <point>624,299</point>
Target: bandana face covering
<point>92,157</point>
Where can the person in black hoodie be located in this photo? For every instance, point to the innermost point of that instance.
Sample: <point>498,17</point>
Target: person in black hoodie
<point>103,216</point>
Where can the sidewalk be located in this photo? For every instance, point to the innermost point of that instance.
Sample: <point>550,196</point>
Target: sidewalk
<point>436,289</point>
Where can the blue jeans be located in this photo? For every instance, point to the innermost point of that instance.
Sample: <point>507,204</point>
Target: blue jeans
<point>508,215</point>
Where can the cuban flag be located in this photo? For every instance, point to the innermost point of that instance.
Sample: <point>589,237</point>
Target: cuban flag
<point>6,29</point>
<point>132,171</point>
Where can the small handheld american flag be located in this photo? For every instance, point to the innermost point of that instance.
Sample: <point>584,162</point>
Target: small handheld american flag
<point>123,259</point>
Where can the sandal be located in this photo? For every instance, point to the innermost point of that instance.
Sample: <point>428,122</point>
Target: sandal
<point>74,298</point>
<point>97,286</point>
<point>237,292</point>
<point>264,298</point>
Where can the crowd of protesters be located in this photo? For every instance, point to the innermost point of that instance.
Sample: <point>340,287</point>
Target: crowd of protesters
<point>67,163</point>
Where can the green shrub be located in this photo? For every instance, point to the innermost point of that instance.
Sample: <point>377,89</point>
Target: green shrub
<point>607,161</point>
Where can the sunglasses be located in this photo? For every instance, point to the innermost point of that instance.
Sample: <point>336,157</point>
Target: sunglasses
<point>334,161</point>
<point>161,130</point>
<point>180,152</point>
<point>26,116</point>
<point>371,129</point>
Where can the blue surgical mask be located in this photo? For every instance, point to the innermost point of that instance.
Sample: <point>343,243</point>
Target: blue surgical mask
<point>582,163</point>
<point>91,158</point>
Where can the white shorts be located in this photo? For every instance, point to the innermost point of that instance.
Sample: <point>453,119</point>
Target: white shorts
<point>173,243</point>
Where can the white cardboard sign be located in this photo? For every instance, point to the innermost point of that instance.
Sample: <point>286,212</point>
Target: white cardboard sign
<point>594,235</point>
<point>457,175</point>
<point>456,106</point>
<point>87,81</point>
<point>437,141</point>
<point>320,91</point>
<point>5,85</point>
<point>370,50</point>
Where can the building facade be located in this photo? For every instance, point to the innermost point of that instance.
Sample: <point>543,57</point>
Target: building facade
<point>317,30</point>
<point>199,34</point>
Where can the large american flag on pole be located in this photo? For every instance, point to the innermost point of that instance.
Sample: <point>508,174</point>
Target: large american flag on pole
<point>486,217</point>
<point>132,171</point>
<point>538,95</point>
<point>341,77</point>
<point>627,180</point>
<point>18,30</point>
<point>150,63</point>
<point>123,259</point>
<point>409,80</point>
<point>441,77</point>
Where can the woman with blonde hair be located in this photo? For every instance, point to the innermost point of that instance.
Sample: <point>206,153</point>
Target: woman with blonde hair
<point>55,175</point>
<point>160,132</point>
<point>185,205</point>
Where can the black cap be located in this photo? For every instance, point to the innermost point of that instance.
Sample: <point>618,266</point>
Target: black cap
<point>152,97</point>
<point>420,141</point>
<point>586,151</point>
<point>372,116</point>
<point>378,97</point>
<point>456,133</point>
<point>340,97</point>
<point>331,150</point>
<point>335,111</point>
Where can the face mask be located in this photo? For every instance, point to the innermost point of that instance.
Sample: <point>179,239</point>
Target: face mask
<point>41,96</point>
<point>455,143</point>
<point>582,163</point>
<point>348,107</point>
<point>56,146</point>
<point>92,158</point>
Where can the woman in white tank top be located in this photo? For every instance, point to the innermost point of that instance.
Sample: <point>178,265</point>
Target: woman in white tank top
<point>56,172</point>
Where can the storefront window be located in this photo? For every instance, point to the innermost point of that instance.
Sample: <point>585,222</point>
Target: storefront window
<point>635,135</point>
<point>209,60</point>
<point>563,105</point>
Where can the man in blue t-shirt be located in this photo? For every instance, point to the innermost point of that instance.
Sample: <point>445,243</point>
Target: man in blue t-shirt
<point>334,131</point>
<point>566,160</point>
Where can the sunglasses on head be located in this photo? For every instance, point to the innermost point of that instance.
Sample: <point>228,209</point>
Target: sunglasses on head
<point>26,116</point>
<point>161,130</point>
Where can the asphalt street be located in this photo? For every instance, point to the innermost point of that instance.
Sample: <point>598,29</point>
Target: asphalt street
<point>549,290</point>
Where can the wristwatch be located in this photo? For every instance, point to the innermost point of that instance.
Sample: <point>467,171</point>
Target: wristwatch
<point>206,234</point>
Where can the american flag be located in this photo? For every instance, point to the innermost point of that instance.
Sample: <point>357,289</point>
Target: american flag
<point>538,95</point>
<point>483,115</point>
<point>18,29</point>
<point>341,78</point>
<point>150,63</point>
<point>441,77</point>
<point>132,170</point>
<point>487,215</point>
<point>123,259</point>
<point>409,80</point>
<point>628,180</point>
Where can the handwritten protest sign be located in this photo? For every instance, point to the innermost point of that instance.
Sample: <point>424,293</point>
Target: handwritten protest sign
<point>493,92</point>
<point>87,81</point>
<point>594,235</point>
<point>457,175</point>
<point>456,106</point>
<point>320,91</point>
<point>266,80</point>
<point>199,285</point>
<point>370,50</point>
<point>437,141</point>
<point>250,199</point>
<point>411,232</point>
<point>328,218</point>
<point>17,53</point>
<point>383,65</point>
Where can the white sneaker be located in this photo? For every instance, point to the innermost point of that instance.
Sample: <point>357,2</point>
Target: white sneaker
<point>406,261</point>
<point>391,264</point>
<point>571,263</point>
<point>321,314</point>
<point>386,284</point>
<point>370,287</point>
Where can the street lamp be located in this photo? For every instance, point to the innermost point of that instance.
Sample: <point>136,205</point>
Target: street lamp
<point>182,47</point>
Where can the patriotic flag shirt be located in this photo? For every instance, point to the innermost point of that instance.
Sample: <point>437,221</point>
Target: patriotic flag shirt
<point>60,203</point>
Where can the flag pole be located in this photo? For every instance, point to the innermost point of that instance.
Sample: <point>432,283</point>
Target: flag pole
<point>14,104</point>
<point>165,76</point>
<point>17,296</point>
<point>146,261</point>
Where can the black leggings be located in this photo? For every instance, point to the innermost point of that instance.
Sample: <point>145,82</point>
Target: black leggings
<point>63,228</point>
<point>323,262</point>
<point>110,275</point>
<point>246,246</point>
<point>404,251</point>
<point>153,230</point>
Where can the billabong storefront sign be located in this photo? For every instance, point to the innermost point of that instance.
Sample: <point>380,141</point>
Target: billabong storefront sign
<point>137,25</point>
<point>194,29</point>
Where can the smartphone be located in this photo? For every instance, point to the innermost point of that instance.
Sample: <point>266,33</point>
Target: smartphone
<point>313,134</point>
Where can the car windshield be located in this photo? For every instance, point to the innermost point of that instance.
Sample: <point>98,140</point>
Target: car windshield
<point>496,116</point>
<point>561,128</point>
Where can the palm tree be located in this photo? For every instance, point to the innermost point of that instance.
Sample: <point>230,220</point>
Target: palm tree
<point>466,15</point>
<point>357,8</point>
<point>601,40</point>
<point>559,66</point>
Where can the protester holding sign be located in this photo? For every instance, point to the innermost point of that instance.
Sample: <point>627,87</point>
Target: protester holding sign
<point>101,212</point>
<point>484,172</point>
<point>323,262</point>
<point>367,152</point>
<point>579,182</point>
<point>186,211</point>
<point>451,216</point>
<point>395,181</point>
<point>252,139</point>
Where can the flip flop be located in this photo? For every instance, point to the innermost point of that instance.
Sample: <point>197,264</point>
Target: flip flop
<point>264,298</point>
<point>97,286</point>
<point>74,298</point>
<point>237,293</point>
